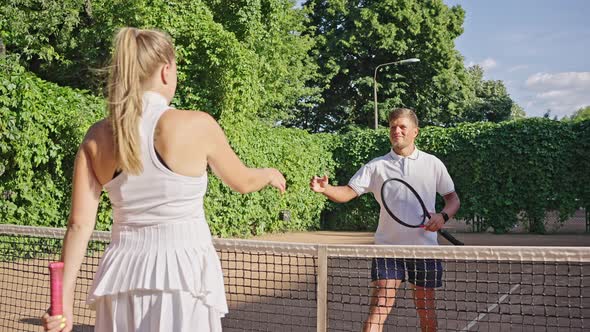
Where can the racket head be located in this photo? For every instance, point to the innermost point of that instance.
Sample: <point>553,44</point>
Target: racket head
<point>56,288</point>
<point>403,203</point>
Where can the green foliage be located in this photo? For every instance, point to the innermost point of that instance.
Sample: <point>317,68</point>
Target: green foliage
<point>273,33</point>
<point>581,168</point>
<point>490,102</point>
<point>504,169</point>
<point>517,112</point>
<point>258,63</point>
<point>294,152</point>
<point>581,114</point>
<point>41,30</point>
<point>353,39</point>
<point>41,126</point>
<point>501,171</point>
<point>242,58</point>
<point>352,150</point>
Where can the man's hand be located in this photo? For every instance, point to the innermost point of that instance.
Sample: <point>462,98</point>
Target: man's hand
<point>318,184</point>
<point>435,223</point>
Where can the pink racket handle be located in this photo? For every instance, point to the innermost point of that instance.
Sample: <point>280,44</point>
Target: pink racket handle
<point>56,270</point>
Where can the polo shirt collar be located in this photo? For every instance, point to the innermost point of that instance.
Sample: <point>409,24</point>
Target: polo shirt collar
<point>412,156</point>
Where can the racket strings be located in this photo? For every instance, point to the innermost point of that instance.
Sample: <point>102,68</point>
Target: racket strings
<point>403,203</point>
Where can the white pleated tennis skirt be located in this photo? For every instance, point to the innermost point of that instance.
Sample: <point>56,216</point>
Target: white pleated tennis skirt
<point>163,277</point>
<point>148,311</point>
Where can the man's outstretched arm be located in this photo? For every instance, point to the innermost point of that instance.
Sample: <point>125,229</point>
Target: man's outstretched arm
<point>338,194</point>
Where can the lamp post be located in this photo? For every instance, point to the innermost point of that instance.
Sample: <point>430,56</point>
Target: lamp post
<point>400,62</point>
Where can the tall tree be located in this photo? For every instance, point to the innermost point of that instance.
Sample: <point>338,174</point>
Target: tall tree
<point>517,112</point>
<point>490,101</point>
<point>274,31</point>
<point>40,31</point>
<point>248,57</point>
<point>354,37</point>
<point>581,114</point>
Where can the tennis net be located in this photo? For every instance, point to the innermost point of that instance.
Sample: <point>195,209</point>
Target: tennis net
<point>274,286</point>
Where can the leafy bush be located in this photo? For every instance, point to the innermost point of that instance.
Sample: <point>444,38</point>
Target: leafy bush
<point>351,151</point>
<point>41,125</point>
<point>294,152</point>
<point>501,171</point>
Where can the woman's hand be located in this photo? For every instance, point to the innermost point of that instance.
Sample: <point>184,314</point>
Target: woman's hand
<point>58,323</point>
<point>277,179</point>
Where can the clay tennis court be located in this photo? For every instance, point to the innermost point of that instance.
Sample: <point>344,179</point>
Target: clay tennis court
<point>510,296</point>
<point>274,291</point>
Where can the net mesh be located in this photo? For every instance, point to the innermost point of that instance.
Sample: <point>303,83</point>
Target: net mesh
<point>304,287</point>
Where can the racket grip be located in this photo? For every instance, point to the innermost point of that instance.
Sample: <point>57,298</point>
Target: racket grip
<point>450,238</point>
<point>56,288</point>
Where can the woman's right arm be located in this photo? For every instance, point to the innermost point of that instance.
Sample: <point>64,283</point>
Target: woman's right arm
<point>86,192</point>
<point>229,168</point>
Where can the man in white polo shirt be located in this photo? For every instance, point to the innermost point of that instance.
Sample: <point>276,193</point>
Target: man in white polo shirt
<point>429,176</point>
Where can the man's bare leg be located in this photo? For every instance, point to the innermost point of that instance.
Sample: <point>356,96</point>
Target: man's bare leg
<point>382,300</point>
<point>425,301</point>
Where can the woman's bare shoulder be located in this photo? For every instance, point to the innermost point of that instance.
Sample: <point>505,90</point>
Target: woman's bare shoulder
<point>191,114</point>
<point>191,120</point>
<point>99,133</point>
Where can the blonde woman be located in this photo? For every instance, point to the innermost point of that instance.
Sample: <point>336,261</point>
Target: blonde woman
<point>160,271</point>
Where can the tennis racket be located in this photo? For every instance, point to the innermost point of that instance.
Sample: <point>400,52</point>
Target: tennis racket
<point>56,281</point>
<point>398,195</point>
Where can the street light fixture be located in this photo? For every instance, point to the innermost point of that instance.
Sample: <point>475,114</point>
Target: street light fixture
<point>400,62</point>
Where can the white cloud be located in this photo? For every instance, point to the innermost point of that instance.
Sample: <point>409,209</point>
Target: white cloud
<point>568,80</point>
<point>486,64</point>
<point>553,94</point>
<point>562,93</point>
<point>517,68</point>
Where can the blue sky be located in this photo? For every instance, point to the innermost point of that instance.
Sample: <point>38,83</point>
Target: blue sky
<point>539,48</point>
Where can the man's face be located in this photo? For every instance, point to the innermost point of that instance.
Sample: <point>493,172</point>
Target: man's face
<point>402,132</point>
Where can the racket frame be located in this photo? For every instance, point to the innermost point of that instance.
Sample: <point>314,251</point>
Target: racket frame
<point>442,232</point>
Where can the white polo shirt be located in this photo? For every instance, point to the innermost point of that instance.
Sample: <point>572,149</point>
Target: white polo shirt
<point>423,171</point>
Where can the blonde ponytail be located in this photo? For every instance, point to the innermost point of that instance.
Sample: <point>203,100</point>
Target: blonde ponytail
<point>137,55</point>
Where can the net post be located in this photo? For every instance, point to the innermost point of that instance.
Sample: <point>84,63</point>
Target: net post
<point>322,289</point>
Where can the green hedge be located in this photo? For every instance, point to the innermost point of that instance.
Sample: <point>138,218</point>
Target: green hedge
<point>297,154</point>
<point>500,170</point>
<point>351,151</point>
<point>42,124</point>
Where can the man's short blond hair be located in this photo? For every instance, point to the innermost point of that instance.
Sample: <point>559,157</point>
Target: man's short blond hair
<point>403,112</point>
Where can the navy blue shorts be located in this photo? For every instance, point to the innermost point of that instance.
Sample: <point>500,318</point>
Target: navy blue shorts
<point>421,272</point>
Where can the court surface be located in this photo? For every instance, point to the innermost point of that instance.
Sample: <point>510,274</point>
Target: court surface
<point>270,291</point>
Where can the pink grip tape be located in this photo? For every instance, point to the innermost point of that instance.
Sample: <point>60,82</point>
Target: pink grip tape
<point>56,280</point>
